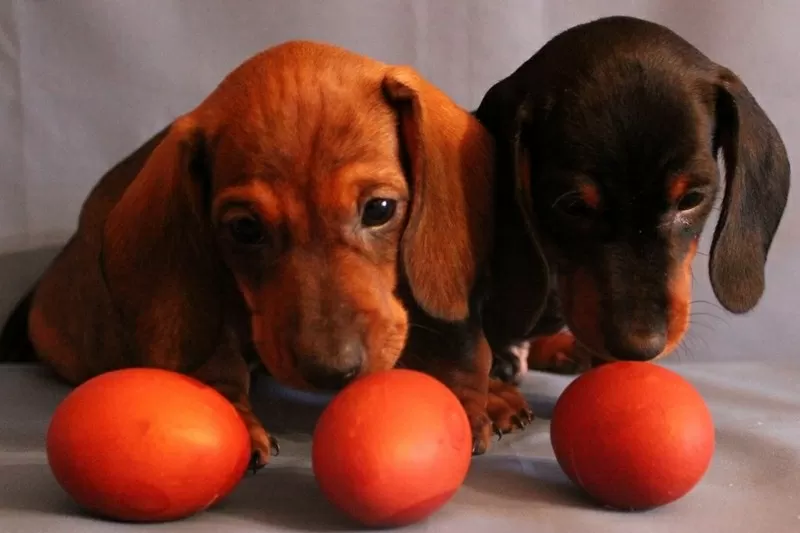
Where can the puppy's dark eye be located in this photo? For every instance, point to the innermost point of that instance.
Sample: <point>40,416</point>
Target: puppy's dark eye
<point>575,207</point>
<point>690,200</point>
<point>378,211</point>
<point>246,229</point>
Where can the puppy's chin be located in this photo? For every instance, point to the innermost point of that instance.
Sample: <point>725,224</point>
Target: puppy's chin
<point>593,356</point>
<point>589,340</point>
<point>279,362</point>
<point>281,367</point>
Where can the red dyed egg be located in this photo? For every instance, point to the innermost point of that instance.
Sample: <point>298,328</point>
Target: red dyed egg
<point>146,445</point>
<point>633,435</point>
<point>392,448</point>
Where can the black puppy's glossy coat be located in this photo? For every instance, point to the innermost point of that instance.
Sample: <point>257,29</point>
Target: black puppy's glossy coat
<point>608,140</point>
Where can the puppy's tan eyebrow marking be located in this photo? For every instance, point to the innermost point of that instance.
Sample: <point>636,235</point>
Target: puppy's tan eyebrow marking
<point>677,186</point>
<point>589,193</point>
<point>256,194</point>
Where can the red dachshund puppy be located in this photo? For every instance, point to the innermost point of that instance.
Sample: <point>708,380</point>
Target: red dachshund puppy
<point>320,212</point>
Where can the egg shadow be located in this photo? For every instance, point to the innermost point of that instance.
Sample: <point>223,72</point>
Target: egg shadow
<point>541,404</point>
<point>284,494</point>
<point>286,411</point>
<point>32,488</point>
<point>525,479</point>
<point>285,497</point>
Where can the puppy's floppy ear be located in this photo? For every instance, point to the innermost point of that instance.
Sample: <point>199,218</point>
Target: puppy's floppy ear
<point>757,187</point>
<point>523,193</point>
<point>520,274</point>
<point>449,158</point>
<point>158,260</point>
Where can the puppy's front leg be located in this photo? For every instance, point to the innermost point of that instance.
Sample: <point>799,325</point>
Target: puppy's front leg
<point>228,372</point>
<point>492,407</point>
<point>549,347</point>
<point>558,354</point>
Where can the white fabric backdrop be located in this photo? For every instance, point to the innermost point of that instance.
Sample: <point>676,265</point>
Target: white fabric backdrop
<point>84,82</point>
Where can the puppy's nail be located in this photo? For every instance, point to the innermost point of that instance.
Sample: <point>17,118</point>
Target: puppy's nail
<point>274,446</point>
<point>497,431</point>
<point>256,463</point>
<point>477,447</point>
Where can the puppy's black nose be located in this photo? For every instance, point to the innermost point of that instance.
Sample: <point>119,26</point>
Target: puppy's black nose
<point>638,346</point>
<point>341,368</point>
<point>328,378</point>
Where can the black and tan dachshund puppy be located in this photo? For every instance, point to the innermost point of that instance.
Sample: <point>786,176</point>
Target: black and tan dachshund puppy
<point>608,142</point>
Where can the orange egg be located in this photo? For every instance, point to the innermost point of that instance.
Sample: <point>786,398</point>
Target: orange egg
<point>633,435</point>
<point>146,445</point>
<point>392,448</point>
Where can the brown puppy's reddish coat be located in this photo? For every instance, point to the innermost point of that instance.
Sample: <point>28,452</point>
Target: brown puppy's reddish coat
<point>324,213</point>
<point>608,140</point>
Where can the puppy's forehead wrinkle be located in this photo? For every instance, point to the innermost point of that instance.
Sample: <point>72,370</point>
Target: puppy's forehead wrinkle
<point>298,103</point>
<point>625,123</point>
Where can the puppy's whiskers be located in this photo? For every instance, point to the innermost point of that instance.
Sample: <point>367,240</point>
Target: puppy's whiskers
<point>707,326</point>
<point>692,337</point>
<point>684,351</point>
<point>694,314</point>
<point>709,315</point>
<point>706,302</point>
<point>681,351</point>
<point>593,352</point>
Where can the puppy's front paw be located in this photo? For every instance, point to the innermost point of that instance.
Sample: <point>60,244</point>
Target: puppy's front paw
<point>263,445</point>
<point>474,403</point>
<point>558,354</point>
<point>507,408</point>
<point>502,411</point>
